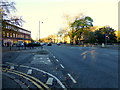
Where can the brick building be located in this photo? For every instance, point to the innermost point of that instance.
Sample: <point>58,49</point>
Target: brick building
<point>13,34</point>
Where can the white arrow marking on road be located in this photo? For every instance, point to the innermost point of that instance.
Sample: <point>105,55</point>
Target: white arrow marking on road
<point>61,65</point>
<point>12,67</point>
<point>84,57</point>
<point>74,81</point>
<point>84,52</point>
<point>49,81</point>
<point>29,71</point>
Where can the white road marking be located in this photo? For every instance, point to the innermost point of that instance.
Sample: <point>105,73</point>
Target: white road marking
<point>57,60</point>
<point>49,60</point>
<point>49,81</point>
<point>54,56</point>
<point>34,58</point>
<point>29,71</point>
<point>74,81</point>
<point>61,65</point>
<point>11,64</point>
<point>12,67</point>
<point>61,84</point>
<point>84,57</point>
<point>84,52</point>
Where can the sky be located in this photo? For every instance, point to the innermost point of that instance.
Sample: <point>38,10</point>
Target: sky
<point>52,12</point>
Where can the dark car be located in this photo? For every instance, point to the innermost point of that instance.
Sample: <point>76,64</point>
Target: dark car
<point>49,44</point>
<point>58,44</point>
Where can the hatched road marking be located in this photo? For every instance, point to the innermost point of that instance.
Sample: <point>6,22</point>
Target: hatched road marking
<point>29,71</point>
<point>61,84</point>
<point>12,67</point>
<point>33,68</point>
<point>49,81</point>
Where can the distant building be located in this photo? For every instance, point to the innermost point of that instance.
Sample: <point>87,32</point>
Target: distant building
<point>13,34</point>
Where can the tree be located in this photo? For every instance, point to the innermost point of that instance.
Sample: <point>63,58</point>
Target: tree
<point>62,33</point>
<point>106,35</point>
<point>80,27</point>
<point>8,8</point>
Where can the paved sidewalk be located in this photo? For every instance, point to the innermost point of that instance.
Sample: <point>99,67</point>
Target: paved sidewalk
<point>4,49</point>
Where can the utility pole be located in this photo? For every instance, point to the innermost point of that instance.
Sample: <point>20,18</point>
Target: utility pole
<point>39,31</point>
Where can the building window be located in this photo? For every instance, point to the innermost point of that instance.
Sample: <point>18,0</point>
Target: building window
<point>3,34</point>
<point>16,35</point>
<point>7,34</point>
<point>13,35</point>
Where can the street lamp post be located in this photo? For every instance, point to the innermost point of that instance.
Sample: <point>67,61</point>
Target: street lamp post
<point>39,30</point>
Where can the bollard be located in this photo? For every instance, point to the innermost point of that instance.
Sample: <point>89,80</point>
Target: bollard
<point>103,45</point>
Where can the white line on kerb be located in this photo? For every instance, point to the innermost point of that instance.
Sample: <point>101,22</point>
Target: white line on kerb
<point>57,60</point>
<point>61,65</point>
<point>74,81</point>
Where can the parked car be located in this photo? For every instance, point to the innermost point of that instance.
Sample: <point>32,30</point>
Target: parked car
<point>58,44</point>
<point>20,45</point>
<point>43,44</point>
<point>49,44</point>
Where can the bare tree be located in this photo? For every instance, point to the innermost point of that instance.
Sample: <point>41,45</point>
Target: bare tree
<point>7,9</point>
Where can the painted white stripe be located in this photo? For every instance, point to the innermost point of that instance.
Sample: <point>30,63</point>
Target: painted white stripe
<point>49,81</point>
<point>61,65</point>
<point>84,57</point>
<point>34,58</point>
<point>29,71</point>
<point>84,52</point>
<point>61,84</point>
<point>12,67</point>
<point>54,56</point>
<point>74,81</point>
<point>49,60</point>
<point>12,64</point>
<point>57,60</point>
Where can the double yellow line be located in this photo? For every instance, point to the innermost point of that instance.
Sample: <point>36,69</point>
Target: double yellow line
<point>32,79</point>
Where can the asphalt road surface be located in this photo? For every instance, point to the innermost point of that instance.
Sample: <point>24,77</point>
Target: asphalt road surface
<point>60,67</point>
<point>87,67</point>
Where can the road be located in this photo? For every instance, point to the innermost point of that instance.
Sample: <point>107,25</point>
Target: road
<point>31,68</point>
<point>87,67</point>
<point>60,67</point>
